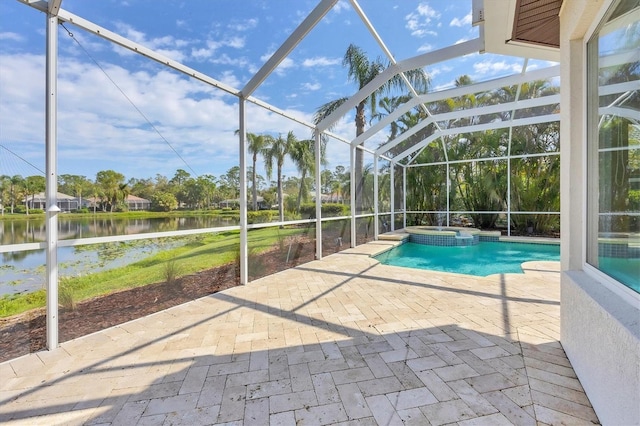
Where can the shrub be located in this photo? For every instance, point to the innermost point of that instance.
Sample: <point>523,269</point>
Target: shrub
<point>36,211</point>
<point>171,272</point>
<point>163,202</point>
<point>328,210</point>
<point>260,216</point>
<point>66,298</point>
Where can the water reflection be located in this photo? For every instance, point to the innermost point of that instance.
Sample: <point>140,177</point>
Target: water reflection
<point>34,230</point>
<point>23,272</point>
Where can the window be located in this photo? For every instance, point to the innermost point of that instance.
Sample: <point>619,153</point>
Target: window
<point>613,169</point>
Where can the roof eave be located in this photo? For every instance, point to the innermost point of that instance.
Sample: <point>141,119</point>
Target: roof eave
<point>499,21</point>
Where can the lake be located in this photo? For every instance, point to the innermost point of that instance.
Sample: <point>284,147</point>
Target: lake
<point>24,271</point>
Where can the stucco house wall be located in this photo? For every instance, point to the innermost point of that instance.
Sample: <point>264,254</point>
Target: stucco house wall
<point>600,320</point>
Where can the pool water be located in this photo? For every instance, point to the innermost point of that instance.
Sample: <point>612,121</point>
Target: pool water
<point>483,259</point>
<point>625,270</point>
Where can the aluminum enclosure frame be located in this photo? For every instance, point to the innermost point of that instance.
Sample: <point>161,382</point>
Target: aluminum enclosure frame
<point>56,15</point>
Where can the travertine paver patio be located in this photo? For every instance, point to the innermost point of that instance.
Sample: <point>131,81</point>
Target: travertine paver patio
<point>343,340</point>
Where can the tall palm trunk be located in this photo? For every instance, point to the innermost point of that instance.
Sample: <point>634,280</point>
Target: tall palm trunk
<point>254,190</point>
<point>302,184</point>
<point>359,158</point>
<point>280,194</point>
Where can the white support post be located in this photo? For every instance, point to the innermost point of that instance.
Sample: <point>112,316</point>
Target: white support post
<point>448,192</point>
<point>352,195</point>
<point>242,147</point>
<point>404,197</point>
<point>392,182</point>
<point>509,186</point>
<point>376,207</point>
<point>318,164</point>
<point>52,181</point>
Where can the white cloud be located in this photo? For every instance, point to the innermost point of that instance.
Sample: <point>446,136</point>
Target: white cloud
<point>433,72</point>
<point>282,68</point>
<point>204,53</point>
<point>228,77</point>
<point>245,25</point>
<point>320,61</point>
<point>490,67</point>
<point>11,36</point>
<point>99,129</point>
<point>312,86</point>
<point>167,45</point>
<point>425,48</point>
<point>456,22</point>
<point>224,59</point>
<point>235,42</point>
<point>420,20</point>
<point>340,6</point>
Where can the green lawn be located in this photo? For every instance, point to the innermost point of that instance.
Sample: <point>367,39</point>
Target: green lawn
<point>198,253</point>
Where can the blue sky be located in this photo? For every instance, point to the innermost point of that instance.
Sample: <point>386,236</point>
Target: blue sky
<point>124,113</point>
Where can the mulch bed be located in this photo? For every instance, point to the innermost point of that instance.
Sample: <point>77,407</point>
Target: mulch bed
<point>26,333</point>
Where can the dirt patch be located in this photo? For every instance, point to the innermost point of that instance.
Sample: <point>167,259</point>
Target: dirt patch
<point>26,333</point>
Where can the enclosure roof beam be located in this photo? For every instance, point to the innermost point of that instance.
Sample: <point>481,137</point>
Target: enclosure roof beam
<point>542,73</point>
<point>285,48</point>
<point>539,74</point>
<point>453,115</point>
<point>423,60</point>
<point>86,25</point>
<point>548,118</point>
<point>54,7</point>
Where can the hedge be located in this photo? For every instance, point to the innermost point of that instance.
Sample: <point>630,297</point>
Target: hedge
<point>328,210</point>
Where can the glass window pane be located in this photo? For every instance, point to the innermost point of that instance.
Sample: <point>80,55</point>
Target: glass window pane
<point>614,146</point>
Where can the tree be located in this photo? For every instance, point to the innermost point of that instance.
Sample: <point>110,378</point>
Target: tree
<point>207,184</point>
<point>277,152</point>
<point>257,144</point>
<point>143,188</point>
<point>163,201</point>
<point>16,183</point>
<point>5,184</point>
<point>178,185</point>
<point>75,185</point>
<point>230,182</point>
<point>302,154</point>
<point>109,184</point>
<point>361,71</point>
<point>33,185</point>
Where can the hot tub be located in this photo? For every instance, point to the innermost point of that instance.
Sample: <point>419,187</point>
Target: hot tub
<point>443,235</point>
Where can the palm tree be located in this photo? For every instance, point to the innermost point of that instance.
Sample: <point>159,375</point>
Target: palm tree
<point>301,152</point>
<point>109,182</point>
<point>276,151</point>
<point>15,187</point>
<point>257,145</point>
<point>33,185</point>
<point>361,71</point>
<point>5,183</point>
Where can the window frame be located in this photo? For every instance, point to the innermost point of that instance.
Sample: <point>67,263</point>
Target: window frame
<point>590,154</point>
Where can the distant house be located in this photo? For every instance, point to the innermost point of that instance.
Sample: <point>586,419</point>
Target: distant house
<point>334,197</point>
<point>65,202</point>
<point>133,203</point>
<point>137,203</point>
<point>235,203</point>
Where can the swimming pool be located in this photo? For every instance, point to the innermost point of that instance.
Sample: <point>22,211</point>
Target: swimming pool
<point>483,259</point>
